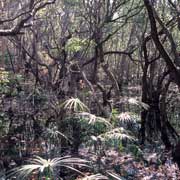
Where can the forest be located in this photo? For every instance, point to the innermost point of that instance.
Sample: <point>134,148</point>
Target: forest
<point>89,89</point>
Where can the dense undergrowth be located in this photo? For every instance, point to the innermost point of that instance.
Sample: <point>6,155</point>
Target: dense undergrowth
<point>79,145</point>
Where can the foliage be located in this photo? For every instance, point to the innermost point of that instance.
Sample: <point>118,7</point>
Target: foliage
<point>130,121</point>
<point>115,136</point>
<point>41,166</point>
<point>135,150</point>
<point>95,177</point>
<point>53,133</point>
<point>10,83</point>
<point>139,103</point>
<point>4,124</point>
<point>115,176</point>
<point>4,76</point>
<point>126,117</point>
<point>75,44</point>
<point>92,119</point>
<point>4,80</point>
<point>75,105</point>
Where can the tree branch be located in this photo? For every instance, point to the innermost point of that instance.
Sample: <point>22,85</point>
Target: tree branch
<point>172,68</point>
<point>21,24</point>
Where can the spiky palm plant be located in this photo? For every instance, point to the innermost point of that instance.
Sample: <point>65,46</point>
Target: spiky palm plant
<point>75,105</point>
<point>53,133</point>
<point>125,117</point>
<point>92,119</point>
<point>53,139</point>
<point>128,118</point>
<point>46,167</point>
<point>138,103</point>
<point>130,121</point>
<point>116,134</point>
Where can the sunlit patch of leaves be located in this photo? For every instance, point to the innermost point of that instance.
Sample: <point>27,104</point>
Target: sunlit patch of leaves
<point>76,44</point>
<point>4,81</point>
<point>4,76</point>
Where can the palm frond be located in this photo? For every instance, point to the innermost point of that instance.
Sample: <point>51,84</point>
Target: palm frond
<point>125,117</point>
<point>75,105</point>
<point>115,176</point>
<point>138,103</point>
<point>128,117</point>
<point>116,134</point>
<point>54,133</point>
<point>95,177</point>
<point>92,119</point>
<point>38,164</point>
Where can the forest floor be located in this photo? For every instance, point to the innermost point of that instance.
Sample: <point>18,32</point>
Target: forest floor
<point>154,164</point>
<point>150,162</point>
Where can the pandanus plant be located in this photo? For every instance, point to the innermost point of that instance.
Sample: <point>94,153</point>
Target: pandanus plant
<point>46,168</point>
<point>75,105</point>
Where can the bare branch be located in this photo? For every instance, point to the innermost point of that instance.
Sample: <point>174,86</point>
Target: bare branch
<point>21,24</point>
